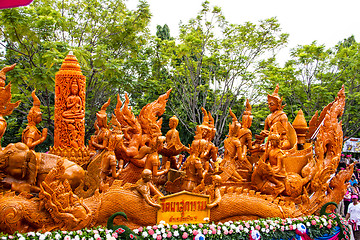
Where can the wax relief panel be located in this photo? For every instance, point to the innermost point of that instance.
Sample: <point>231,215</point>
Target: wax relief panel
<point>69,105</point>
<point>184,207</point>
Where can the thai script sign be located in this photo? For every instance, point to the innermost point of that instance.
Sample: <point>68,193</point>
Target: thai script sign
<point>183,207</point>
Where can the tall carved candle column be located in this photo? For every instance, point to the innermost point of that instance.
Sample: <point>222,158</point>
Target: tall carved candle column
<point>69,131</point>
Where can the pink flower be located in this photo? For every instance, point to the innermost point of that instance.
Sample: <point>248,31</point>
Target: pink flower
<point>226,232</point>
<point>241,227</point>
<point>185,235</point>
<point>212,227</point>
<point>174,226</point>
<point>301,219</point>
<point>195,232</point>
<point>205,231</point>
<point>320,226</point>
<point>266,226</point>
<point>247,225</point>
<point>169,234</point>
<point>218,228</point>
<point>99,238</point>
<point>282,228</point>
<point>151,232</point>
<point>231,231</point>
<point>313,222</point>
<point>257,227</point>
<point>201,225</point>
<point>213,232</point>
<point>291,227</point>
<point>329,226</point>
<point>140,229</point>
<point>158,237</point>
<point>96,231</point>
<point>115,235</point>
<point>186,224</point>
<point>65,238</point>
<point>316,217</point>
<point>155,227</point>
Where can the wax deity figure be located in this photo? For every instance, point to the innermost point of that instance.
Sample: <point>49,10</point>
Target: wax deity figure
<point>31,136</point>
<point>277,113</point>
<point>233,149</point>
<point>74,114</point>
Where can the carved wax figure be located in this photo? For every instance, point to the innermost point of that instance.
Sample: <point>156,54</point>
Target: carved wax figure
<point>214,191</point>
<point>272,170</point>
<point>145,188</point>
<point>74,103</point>
<point>31,136</point>
<point>173,145</point>
<point>233,149</point>
<point>151,152</point>
<point>205,133</point>
<point>108,165</point>
<point>193,171</point>
<point>245,137</point>
<point>277,113</point>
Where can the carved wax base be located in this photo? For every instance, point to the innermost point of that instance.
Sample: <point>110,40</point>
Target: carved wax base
<point>79,156</point>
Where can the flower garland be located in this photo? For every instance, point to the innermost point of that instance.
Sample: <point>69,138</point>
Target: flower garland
<point>310,227</point>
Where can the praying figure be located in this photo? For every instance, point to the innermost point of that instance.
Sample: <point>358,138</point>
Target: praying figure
<point>31,136</point>
<point>173,145</point>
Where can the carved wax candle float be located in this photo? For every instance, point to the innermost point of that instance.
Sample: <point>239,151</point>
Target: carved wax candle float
<point>289,175</point>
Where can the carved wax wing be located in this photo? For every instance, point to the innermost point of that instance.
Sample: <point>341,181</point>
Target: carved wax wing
<point>13,3</point>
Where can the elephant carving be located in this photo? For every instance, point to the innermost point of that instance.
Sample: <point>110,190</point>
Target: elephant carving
<point>22,169</point>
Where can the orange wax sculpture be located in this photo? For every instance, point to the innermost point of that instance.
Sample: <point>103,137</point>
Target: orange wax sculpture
<point>69,133</point>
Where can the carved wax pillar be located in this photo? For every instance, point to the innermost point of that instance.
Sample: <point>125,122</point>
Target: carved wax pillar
<point>69,131</point>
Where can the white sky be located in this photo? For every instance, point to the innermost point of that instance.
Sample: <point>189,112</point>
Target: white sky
<point>326,21</point>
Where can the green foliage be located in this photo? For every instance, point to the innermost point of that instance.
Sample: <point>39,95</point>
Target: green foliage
<point>213,64</point>
<point>106,38</point>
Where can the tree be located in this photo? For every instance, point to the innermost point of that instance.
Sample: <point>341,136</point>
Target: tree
<point>313,76</point>
<point>106,38</point>
<point>213,64</point>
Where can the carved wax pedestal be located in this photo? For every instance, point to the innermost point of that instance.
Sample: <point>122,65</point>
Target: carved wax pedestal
<point>69,130</point>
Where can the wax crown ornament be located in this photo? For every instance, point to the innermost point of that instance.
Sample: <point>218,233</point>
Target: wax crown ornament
<point>276,98</point>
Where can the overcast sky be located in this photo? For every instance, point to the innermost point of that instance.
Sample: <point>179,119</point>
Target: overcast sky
<point>326,21</point>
